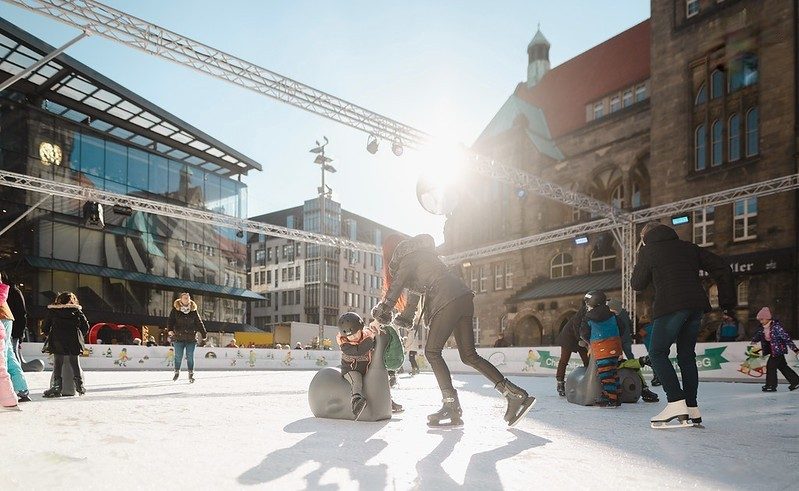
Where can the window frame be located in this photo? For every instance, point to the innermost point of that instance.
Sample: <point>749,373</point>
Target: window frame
<point>483,279</point>
<point>756,132</point>
<point>625,100</point>
<point>716,141</point>
<point>508,275</point>
<point>704,224</point>
<point>723,85</point>
<point>742,292</point>
<point>562,266</point>
<point>700,147</point>
<point>747,217</point>
<point>499,276</point>
<point>688,5</point>
<point>598,110</point>
<point>734,138</point>
<point>603,260</point>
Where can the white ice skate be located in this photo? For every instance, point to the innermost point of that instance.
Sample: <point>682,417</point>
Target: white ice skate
<point>695,416</point>
<point>674,410</point>
<point>11,408</point>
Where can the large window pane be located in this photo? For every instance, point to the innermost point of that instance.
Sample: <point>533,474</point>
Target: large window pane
<point>138,164</point>
<point>92,155</point>
<point>700,157</point>
<point>159,175</point>
<point>735,138</point>
<point>65,238</point>
<point>717,146</point>
<point>752,132</point>
<point>116,162</point>
<point>178,181</point>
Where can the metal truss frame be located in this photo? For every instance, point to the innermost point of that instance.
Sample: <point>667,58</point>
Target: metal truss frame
<point>97,18</point>
<point>55,188</point>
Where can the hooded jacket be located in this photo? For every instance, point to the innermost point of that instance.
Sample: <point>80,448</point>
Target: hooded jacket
<point>65,327</point>
<point>672,267</point>
<point>416,266</point>
<point>16,302</point>
<point>780,340</point>
<point>185,322</point>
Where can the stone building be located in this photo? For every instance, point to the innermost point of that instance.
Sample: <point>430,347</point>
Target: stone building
<point>668,109</point>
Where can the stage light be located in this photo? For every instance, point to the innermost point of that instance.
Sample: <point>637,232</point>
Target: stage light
<point>93,215</point>
<point>123,210</point>
<point>240,234</point>
<point>396,147</point>
<point>680,219</point>
<point>581,240</point>
<point>372,144</point>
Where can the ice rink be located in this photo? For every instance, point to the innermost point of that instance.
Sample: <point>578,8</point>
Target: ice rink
<point>139,430</point>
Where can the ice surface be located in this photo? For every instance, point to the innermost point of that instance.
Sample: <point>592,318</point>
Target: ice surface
<point>139,430</point>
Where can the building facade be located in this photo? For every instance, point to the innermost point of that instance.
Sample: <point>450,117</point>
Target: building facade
<point>69,124</point>
<point>287,273</point>
<point>672,108</point>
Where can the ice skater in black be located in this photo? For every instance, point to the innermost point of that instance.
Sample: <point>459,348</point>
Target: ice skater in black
<point>448,308</point>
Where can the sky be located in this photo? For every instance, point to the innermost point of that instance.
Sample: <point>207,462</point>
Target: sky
<point>443,67</point>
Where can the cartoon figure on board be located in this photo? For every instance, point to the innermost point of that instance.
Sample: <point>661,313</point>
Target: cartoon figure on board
<point>755,364</point>
<point>109,354</point>
<point>321,361</point>
<point>238,354</point>
<point>170,357</point>
<point>123,359</point>
<point>529,363</point>
<point>288,359</point>
<point>251,359</point>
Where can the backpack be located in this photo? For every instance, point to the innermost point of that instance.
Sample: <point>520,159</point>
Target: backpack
<point>394,355</point>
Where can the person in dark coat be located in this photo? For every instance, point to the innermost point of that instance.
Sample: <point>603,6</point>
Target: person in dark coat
<point>501,342</point>
<point>672,267</point>
<point>184,323</point>
<point>65,327</point>
<point>448,308</point>
<point>569,339</point>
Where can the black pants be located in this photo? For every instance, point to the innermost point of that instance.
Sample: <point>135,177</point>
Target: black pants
<point>456,318</point>
<point>412,358</point>
<point>778,363</point>
<point>58,365</point>
<point>565,356</point>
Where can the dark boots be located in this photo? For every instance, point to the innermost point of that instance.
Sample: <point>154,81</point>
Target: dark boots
<point>519,402</point>
<point>191,377</point>
<point>450,411</point>
<point>358,405</point>
<point>561,388</point>
<point>648,396</point>
<point>175,377</point>
<point>79,388</point>
<point>55,389</point>
<point>396,408</point>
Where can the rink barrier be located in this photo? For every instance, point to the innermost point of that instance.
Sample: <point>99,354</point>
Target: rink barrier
<point>715,361</point>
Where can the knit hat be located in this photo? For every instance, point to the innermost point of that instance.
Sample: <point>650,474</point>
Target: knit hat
<point>615,304</point>
<point>764,314</point>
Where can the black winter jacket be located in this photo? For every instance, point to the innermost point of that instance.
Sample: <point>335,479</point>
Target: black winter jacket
<point>416,266</point>
<point>65,327</point>
<point>185,324</point>
<point>16,302</point>
<point>672,267</point>
<point>569,336</point>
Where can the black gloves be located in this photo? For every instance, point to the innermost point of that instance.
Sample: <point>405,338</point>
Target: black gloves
<point>403,322</point>
<point>382,313</point>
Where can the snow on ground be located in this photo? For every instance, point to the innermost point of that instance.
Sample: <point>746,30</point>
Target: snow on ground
<point>139,430</point>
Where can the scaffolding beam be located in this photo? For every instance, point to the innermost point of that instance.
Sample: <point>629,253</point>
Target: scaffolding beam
<point>81,193</point>
<point>118,26</point>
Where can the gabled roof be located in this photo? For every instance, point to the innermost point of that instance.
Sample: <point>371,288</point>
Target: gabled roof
<point>573,285</point>
<point>517,111</point>
<point>564,91</point>
<point>75,91</point>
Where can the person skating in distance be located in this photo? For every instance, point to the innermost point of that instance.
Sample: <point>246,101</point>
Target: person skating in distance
<point>774,341</point>
<point>448,309</point>
<point>671,266</point>
<point>357,343</point>
<point>184,323</point>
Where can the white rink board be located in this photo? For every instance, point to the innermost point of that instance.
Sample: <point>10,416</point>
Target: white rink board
<point>716,361</point>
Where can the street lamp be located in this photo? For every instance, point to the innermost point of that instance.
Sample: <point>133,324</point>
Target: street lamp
<point>324,164</point>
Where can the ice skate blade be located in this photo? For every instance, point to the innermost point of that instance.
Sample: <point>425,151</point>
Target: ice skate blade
<point>456,423</point>
<point>357,416</point>
<point>661,425</point>
<point>11,408</point>
<point>525,410</point>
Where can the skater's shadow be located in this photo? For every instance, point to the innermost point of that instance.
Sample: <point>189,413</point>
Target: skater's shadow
<point>481,472</point>
<point>332,444</point>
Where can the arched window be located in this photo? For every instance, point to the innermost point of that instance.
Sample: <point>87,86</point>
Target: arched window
<point>743,292</point>
<point>600,262</point>
<point>751,132</point>
<point>743,71</point>
<point>701,95</point>
<point>734,149</point>
<point>716,84</point>
<point>700,155</point>
<point>561,265</point>
<point>717,143</point>
<point>635,199</point>
<point>617,197</point>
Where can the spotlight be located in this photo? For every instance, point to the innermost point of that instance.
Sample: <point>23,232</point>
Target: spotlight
<point>371,144</point>
<point>521,193</point>
<point>581,240</point>
<point>240,234</point>
<point>123,210</point>
<point>93,215</point>
<point>396,147</point>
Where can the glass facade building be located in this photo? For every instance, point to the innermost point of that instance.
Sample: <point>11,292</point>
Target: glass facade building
<point>77,127</point>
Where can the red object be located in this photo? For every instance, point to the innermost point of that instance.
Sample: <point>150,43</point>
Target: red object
<point>95,329</point>
<point>616,64</point>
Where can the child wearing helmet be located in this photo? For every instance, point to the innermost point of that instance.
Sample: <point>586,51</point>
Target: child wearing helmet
<point>602,329</point>
<point>357,343</point>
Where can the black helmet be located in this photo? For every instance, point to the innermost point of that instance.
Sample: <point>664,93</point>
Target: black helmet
<point>595,298</point>
<point>349,322</point>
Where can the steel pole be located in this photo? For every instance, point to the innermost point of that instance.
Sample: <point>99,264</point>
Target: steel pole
<point>322,254</point>
<point>24,73</point>
<point>27,212</point>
